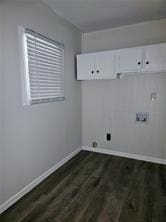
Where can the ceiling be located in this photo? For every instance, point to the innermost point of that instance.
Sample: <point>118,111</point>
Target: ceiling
<point>91,15</point>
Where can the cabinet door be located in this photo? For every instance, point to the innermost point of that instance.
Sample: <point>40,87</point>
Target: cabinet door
<point>85,66</point>
<point>105,65</point>
<point>129,60</point>
<point>155,57</point>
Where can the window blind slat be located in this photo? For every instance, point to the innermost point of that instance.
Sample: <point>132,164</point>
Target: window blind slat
<point>46,90</point>
<point>43,56</point>
<point>44,52</point>
<point>44,78</point>
<point>35,94</point>
<point>40,85</point>
<point>43,93</point>
<point>33,60</point>
<point>36,64</point>
<point>37,40</point>
<point>39,96</point>
<point>47,52</point>
<point>37,45</point>
<point>44,71</point>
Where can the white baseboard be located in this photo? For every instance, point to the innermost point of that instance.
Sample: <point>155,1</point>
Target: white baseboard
<point>128,155</point>
<point>34,183</point>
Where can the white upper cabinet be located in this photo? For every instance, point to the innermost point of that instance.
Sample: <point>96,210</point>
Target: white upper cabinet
<point>141,59</point>
<point>155,57</point>
<point>86,66</point>
<point>100,65</point>
<point>129,60</point>
<point>105,65</point>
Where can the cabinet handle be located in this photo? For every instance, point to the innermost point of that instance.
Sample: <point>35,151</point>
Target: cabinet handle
<point>97,71</point>
<point>147,62</point>
<point>92,72</point>
<point>139,63</point>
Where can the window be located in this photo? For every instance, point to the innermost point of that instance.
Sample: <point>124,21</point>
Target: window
<point>43,63</point>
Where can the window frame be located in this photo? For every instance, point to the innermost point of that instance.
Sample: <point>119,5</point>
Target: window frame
<point>25,78</point>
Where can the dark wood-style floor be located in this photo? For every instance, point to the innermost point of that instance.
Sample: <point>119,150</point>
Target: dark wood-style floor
<point>96,188</point>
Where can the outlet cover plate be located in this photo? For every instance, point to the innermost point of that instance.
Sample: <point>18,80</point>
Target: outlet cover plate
<point>142,117</point>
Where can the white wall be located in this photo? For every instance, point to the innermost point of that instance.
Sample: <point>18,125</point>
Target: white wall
<point>112,104</point>
<point>1,109</point>
<point>126,36</point>
<point>39,136</point>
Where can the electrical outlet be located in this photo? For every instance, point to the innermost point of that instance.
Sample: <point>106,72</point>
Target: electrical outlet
<point>94,144</point>
<point>108,136</point>
<point>153,96</point>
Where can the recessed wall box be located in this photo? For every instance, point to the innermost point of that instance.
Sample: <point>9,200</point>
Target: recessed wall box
<point>142,117</point>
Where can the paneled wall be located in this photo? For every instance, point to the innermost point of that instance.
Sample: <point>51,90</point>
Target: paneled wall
<point>111,105</point>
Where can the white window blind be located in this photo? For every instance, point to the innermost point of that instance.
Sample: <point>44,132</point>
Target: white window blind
<point>45,68</point>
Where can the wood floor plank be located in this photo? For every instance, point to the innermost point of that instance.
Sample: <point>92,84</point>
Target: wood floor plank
<point>159,193</point>
<point>86,194</point>
<point>96,188</point>
<point>56,207</point>
<point>118,190</point>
